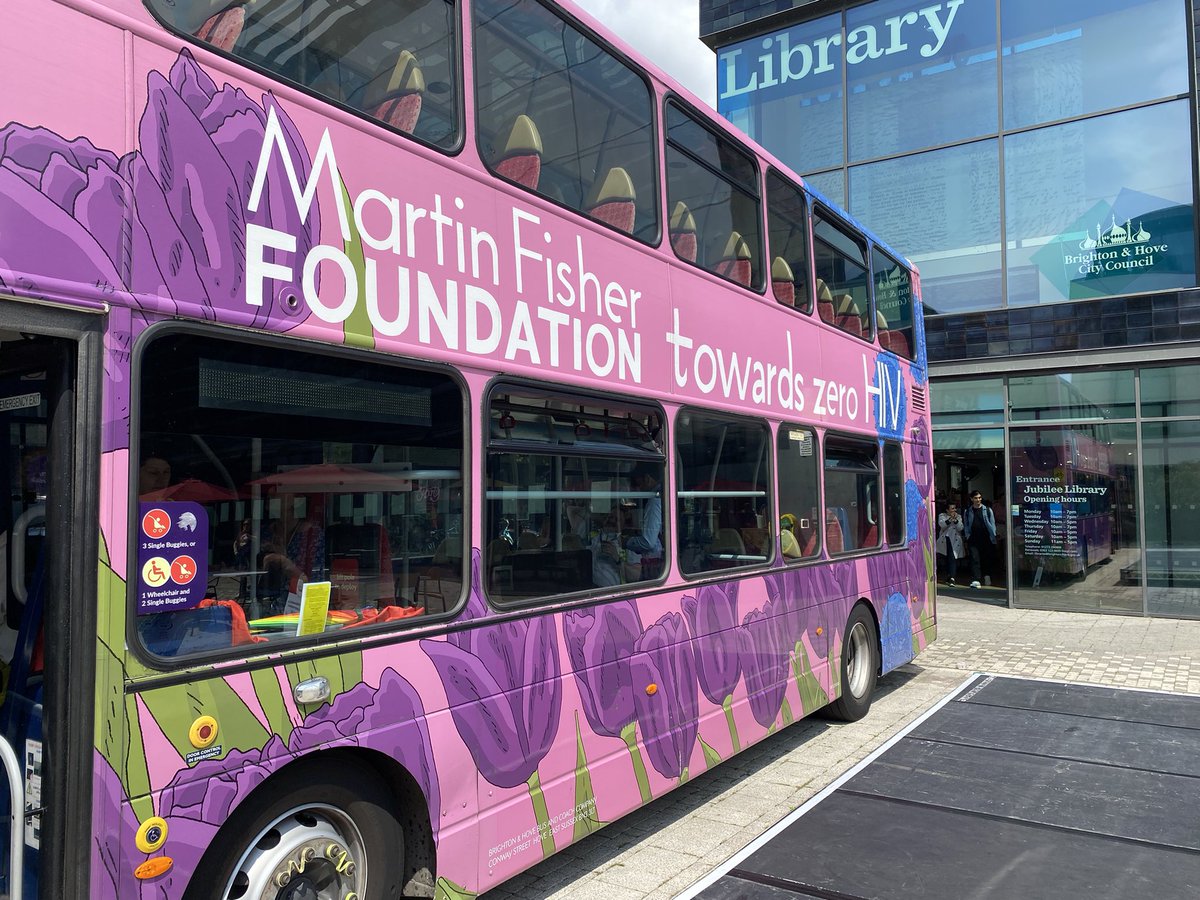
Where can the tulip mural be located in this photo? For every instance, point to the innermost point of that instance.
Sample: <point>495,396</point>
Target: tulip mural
<point>712,619</point>
<point>766,649</point>
<point>600,643</point>
<point>669,713</point>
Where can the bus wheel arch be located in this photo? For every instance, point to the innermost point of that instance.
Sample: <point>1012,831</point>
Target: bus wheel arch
<point>859,663</point>
<point>373,804</point>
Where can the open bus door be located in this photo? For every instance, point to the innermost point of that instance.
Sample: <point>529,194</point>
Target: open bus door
<point>47,602</point>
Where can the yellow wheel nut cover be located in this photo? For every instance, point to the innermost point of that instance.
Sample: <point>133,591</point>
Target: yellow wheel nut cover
<point>152,835</point>
<point>203,732</point>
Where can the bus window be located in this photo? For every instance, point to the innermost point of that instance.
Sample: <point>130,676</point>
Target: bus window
<point>560,115</point>
<point>840,262</point>
<point>799,502</point>
<point>893,304</point>
<point>722,490</point>
<point>712,188</point>
<point>893,494</point>
<point>393,60</point>
<point>788,219</point>
<point>573,496</point>
<point>296,494</point>
<point>851,494</point>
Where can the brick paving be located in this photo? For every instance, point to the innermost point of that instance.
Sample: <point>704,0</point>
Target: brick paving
<point>658,851</point>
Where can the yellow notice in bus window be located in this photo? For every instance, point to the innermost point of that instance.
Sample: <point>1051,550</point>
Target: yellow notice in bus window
<point>314,607</point>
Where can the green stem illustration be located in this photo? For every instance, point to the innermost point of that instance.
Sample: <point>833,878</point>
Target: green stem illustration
<point>733,735</point>
<point>542,814</point>
<point>629,734</point>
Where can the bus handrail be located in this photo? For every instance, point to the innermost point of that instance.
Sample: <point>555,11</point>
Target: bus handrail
<point>16,819</point>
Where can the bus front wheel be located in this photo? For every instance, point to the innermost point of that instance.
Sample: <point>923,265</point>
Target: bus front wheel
<point>859,667</point>
<point>312,832</point>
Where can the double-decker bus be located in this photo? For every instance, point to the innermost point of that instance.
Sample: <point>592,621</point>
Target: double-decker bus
<point>431,434</point>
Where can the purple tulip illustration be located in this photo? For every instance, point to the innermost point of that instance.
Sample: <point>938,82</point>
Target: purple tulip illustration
<point>161,226</point>
<point>669,715</point>
<point>502,684</point>
<point>765,654</point>
<point>712,619</point>
<point>600,643</point>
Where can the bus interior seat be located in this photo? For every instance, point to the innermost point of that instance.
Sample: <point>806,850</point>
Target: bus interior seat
<point>395,96</point>
<point>825,302</point>
<point>729,541</point>
<point>807,538</point>
<point>848,316</point>
<point>521,158</point>
<point>834,541</point>
<point>223,28</point>
<point>683,232</point>
<point>733,259</point>
<point>871,538</point>
<point>783,282</point>
<point>891,339</point>
<point>613,200</point>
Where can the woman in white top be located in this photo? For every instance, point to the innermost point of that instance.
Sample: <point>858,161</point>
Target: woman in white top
<point>950,543</point>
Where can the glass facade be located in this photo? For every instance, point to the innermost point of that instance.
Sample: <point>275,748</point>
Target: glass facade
<point>1019,152</point>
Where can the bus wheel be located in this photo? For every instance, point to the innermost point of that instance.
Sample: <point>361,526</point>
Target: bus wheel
<point>860,664</point>
<point>315,832</point>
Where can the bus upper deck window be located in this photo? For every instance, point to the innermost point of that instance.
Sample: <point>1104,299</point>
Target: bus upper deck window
<point>393,60</point>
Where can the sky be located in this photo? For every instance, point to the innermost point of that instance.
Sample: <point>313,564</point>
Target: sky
<point>667,32</point>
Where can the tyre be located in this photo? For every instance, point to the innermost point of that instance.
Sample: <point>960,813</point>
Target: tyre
<point>314,831</point>
<point>860,667</point>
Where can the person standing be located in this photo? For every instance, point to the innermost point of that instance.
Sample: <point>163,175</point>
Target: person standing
<point>950,540</point>
<point>980,527</point>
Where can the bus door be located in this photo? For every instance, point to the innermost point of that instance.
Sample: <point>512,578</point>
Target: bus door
<point>42,475</point>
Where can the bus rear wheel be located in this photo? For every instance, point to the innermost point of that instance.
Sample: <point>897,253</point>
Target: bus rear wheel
<point>311,833</point>
<point>859,667</point>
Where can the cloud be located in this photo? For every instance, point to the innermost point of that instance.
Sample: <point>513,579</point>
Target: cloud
<point>667,33</point>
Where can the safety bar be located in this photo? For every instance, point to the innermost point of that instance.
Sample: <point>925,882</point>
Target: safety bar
<point>16,820</point>
<point>19,530</point>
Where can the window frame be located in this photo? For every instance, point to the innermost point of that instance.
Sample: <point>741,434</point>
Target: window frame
<point>720,134</point>
<point>457,66</point>
<point>818,555</point>
<point>297,647</point>
<point>889,541</point>
<point>655,126</point>
<point>850,438</point>
<point>550,389</point>
<point>808,310</point>
<point>840,224</point>
<point>769,493</point>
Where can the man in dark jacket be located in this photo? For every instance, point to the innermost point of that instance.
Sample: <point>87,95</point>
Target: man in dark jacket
<point>980,527</point>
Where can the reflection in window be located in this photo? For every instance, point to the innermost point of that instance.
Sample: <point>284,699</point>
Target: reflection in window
<point>851,494</point>
<point>1072,395</point>
<point>831,185</point>
<point>712,191</point>
<point>788,212</point>
<point>723,493</point>
<point>1073,46</point>
<point>799,111</point>
<point>560,115</point>
<point>946,205</point>
<point>1171,474</point>
<point>841,268</point>
<point>573,495</point>
<point>799,502</point>
<point>308,469</point>
<point>960,402</point>
<point>1170,391</point>
<point>893,493</point>
<point>394,60</point>
<point>930,80</point>
<point>893,304</point>
<point>1090,212</point>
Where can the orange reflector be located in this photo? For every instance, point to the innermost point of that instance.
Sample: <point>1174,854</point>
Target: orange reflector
<point>820,630</point>
<point>152,868</point>
<point>651,690</point>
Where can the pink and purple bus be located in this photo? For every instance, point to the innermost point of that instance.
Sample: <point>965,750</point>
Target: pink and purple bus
<point>431,435</point>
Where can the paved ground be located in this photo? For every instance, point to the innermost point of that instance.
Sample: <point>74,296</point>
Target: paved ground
<point>658,851</point>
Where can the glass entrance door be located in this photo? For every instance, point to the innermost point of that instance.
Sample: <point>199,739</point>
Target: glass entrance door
<point>36,412</point>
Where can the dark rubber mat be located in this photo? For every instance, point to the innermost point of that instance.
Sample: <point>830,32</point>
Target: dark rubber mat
<point>1013,790</point>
